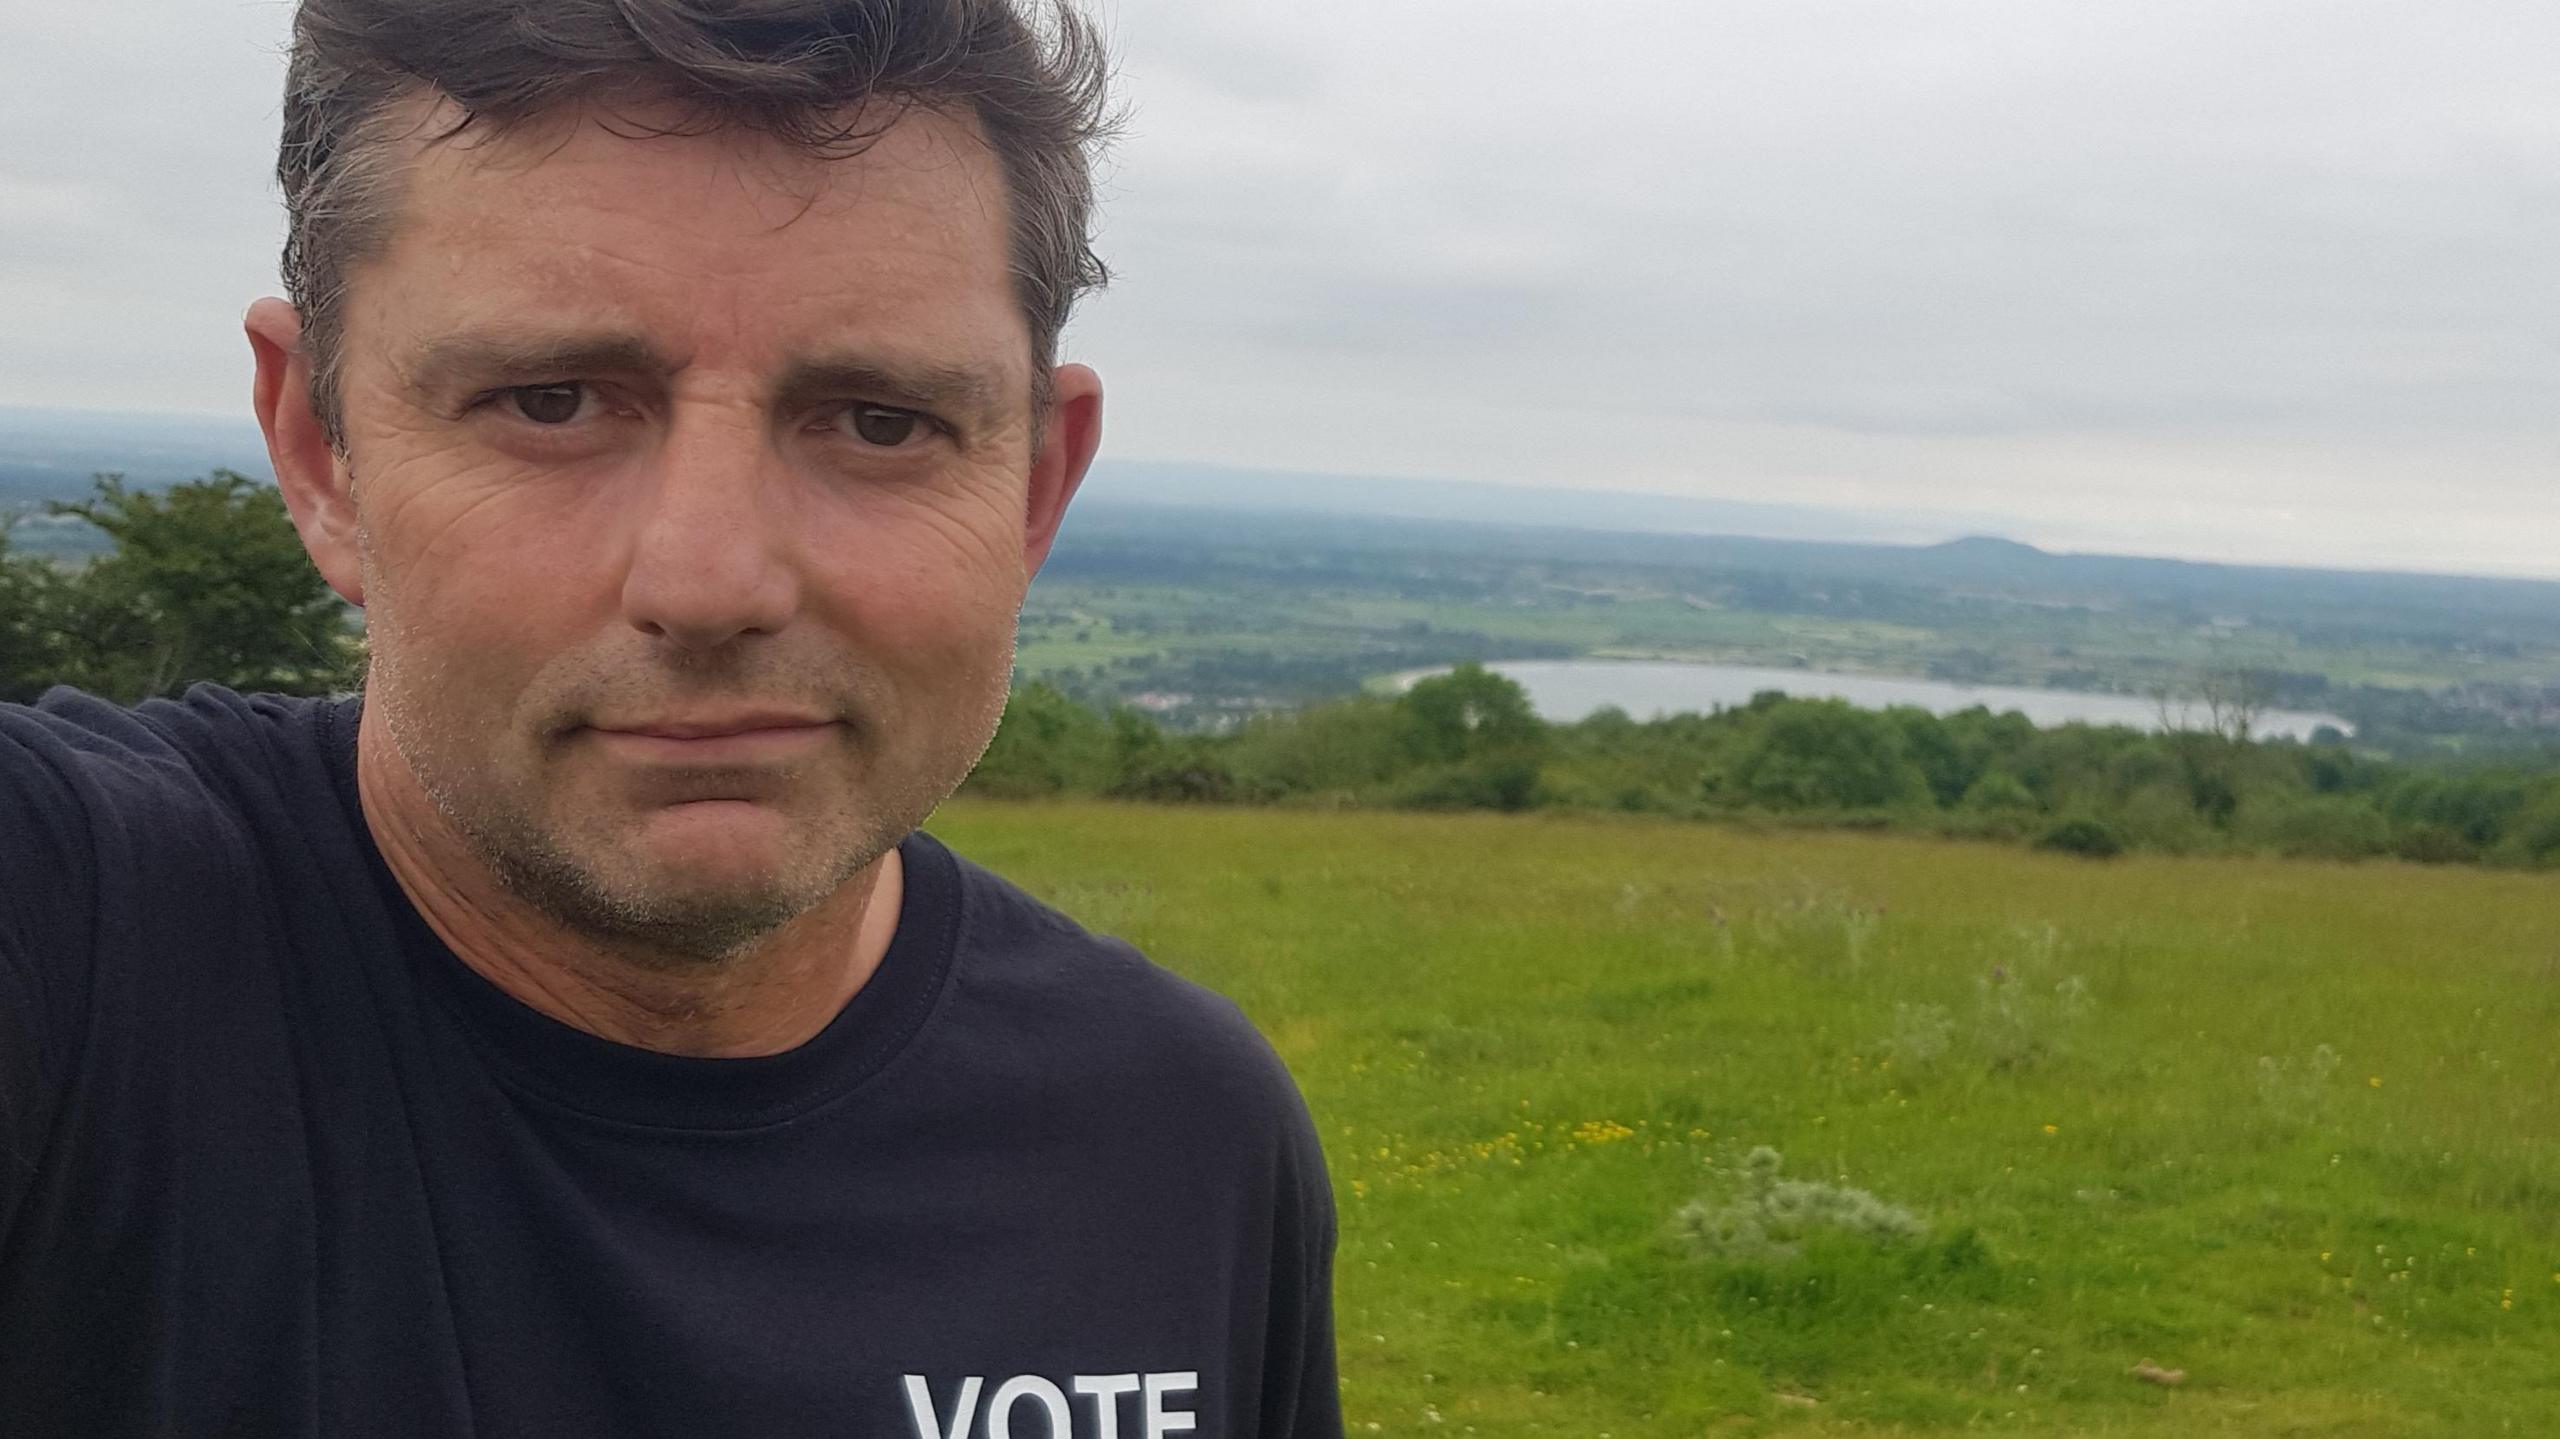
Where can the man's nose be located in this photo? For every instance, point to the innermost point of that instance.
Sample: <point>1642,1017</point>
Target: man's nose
<point>711,554</point>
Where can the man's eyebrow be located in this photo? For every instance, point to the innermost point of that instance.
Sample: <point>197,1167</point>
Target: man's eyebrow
<point>497,358</point>
<point>961,390</point>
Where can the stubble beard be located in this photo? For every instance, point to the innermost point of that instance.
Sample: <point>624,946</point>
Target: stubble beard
<point>588,887</point>
<point>500,817</point>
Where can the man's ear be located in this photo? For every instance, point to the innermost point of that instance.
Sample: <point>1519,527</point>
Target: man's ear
<point>1067,445</point>
<point>308,469</point>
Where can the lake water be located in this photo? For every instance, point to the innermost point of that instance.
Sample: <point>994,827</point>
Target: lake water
<point>1567,690</point>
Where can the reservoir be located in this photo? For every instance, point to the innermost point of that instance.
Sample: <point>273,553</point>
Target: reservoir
<point>1567,690</point>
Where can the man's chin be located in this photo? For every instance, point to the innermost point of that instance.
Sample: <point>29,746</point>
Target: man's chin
<point>680,923</point>
<point>678,900</point>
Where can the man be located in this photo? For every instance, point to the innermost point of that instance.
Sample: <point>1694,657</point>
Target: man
<point>574,1036</point>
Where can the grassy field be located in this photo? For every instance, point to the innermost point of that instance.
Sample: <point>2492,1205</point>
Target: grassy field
<point>2291,1129</point>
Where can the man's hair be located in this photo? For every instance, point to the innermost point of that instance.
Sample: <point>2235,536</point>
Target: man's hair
<point>807,72</point>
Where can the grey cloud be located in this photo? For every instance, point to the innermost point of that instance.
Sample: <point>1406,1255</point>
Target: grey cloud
<point>2183,274</point>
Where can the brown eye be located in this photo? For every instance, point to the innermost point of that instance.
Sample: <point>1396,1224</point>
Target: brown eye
<point>548,404</point>
<point>883,426</point>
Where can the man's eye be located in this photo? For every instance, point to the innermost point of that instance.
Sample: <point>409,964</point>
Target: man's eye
<point>547,404</point>
<point>883,425</point>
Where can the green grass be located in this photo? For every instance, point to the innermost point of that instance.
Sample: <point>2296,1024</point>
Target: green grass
<point>1529,1041</point>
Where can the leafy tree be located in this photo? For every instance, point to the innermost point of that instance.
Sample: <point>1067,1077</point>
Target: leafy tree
<point>2468,812</point>
<point>1477,741</point>
<point>1469,713</point>
<point>208,581</point>
<point>1945,765</point>
<point>1047,743</point>
<point>30,624</point>
<point>1827,754</point>
<point>1338,749</point>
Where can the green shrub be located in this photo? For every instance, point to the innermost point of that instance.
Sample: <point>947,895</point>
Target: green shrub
<point>2428,843</point>
<point>2000,792</point>
<point>2082,836</point>
<point>1186,772</point>
<point>2315,826</point>
<point>1503,784</point>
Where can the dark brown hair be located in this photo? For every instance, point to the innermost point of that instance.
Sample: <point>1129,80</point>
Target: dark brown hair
<point>804,71</point>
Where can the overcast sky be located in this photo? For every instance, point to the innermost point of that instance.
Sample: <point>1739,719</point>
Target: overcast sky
<point>2215,278</point>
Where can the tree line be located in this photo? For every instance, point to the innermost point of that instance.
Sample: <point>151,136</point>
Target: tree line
<point>1468,739</point>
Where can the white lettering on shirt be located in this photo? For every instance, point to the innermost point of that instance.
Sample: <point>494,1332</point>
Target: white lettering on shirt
<point>1106,1390</point>
<point>1160,1420</point>
<point>1028,1386</point>
<point>1157,1419</point>
<point>964,1408</point>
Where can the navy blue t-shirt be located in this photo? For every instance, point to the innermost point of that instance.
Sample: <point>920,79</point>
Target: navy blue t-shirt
<point>274,1162</point>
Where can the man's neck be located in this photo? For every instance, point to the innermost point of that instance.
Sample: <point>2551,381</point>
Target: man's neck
<point>772,997</point>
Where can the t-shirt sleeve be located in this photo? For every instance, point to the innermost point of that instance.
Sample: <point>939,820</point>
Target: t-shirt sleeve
<point>1302,1398</point>
<point>43,908</point>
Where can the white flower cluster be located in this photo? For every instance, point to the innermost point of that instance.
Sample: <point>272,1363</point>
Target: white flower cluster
<point>1771,1216</point>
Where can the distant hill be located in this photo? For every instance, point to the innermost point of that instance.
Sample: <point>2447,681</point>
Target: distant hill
<point>1989,550</point>
<point>1220,487</point>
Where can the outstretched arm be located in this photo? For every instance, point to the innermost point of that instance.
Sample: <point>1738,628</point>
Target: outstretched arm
<point>43,918</point>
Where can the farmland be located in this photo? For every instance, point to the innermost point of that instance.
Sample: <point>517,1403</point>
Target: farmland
<point>2292,1129</point>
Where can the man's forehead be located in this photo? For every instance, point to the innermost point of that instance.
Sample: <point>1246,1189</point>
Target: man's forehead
<point>429,129</point>
<point>572,238</point>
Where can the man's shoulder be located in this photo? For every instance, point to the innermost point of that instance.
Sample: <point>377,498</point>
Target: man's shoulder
<point>103,799</point>
<point>156,752</point>
<point>1094,1004</point>
<point>126,840</point>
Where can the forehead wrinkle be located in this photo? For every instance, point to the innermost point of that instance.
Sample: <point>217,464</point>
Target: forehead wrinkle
<point>512,194</point>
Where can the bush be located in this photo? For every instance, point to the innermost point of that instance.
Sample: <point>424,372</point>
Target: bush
<point>2163,817</point>
<point>1176,773</point>
<point>2533,832</point>
<point>2316,826</point>
<point>2086,837</point>
<point>2434,844</point>
<point>2000,792</point>
<point>1341,748</point>
<point>1504,784</point>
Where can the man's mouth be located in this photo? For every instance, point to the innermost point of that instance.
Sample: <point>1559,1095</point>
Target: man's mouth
<point>729,739</point>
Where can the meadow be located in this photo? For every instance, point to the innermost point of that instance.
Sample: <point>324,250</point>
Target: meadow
<point>2286,1132</point>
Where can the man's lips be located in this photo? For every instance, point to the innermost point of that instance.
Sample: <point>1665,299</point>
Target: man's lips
<point>744,739</point>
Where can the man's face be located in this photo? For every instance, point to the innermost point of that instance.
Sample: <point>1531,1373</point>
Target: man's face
<point>690,482</point>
